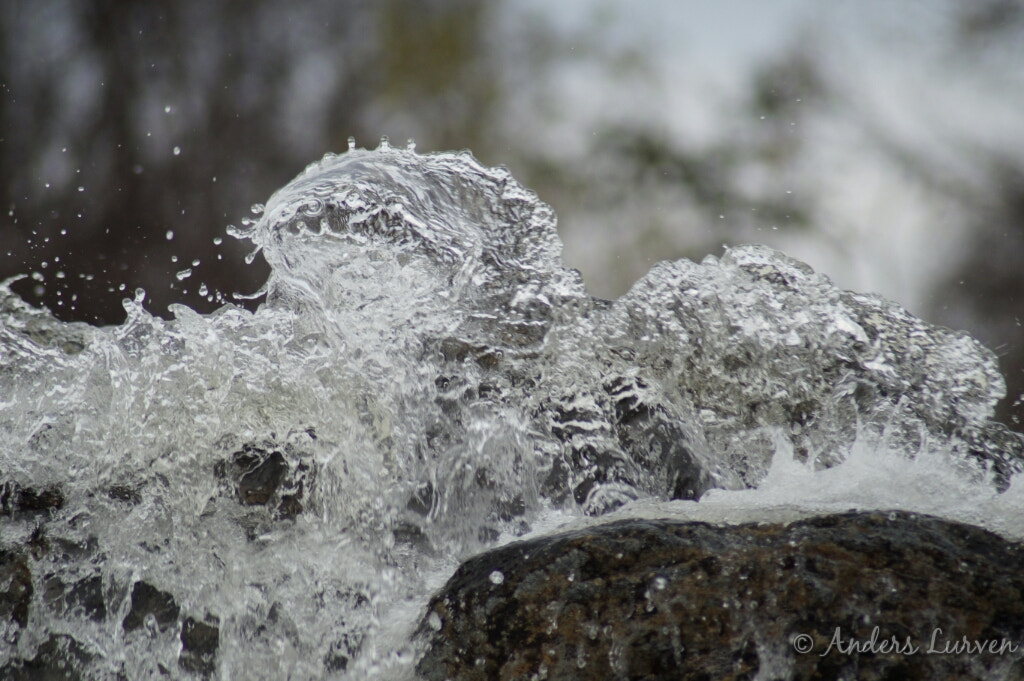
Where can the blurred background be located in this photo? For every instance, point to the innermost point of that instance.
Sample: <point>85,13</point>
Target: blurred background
<point>881,142</point>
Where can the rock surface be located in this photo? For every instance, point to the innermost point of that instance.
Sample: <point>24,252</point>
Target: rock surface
<point>856,595</point>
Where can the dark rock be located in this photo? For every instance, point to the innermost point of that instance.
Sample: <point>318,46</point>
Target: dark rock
<point>148,600</point>
<point>668,600</point>
<point>199,642</point>
<point>83,596</point>
<point>17,499</point>
<point>257,485</point>
<point>264,476</point>
<point>15,588</point>
<point>999,449</point>
<point>342,652</point>
<point>59,658</point>
<point>658,443</point>
<point>124,493</point>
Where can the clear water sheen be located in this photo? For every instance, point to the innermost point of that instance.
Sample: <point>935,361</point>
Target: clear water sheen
<point>437,382</point>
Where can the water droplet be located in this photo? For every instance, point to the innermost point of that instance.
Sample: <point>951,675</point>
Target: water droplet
<point>140,294</point>
<point>257,208</point>
<point>170,234</point>
<point>167,109</point>
<point>497,577</point>
<point>351,143</point>
<point>174,258</point>
<point>410,145</point>
<point>434,621</point>
<point>184,274</point>
<point>217,241</point>
<point>177,151</point>
<point>203,290</point>
<point>195,263</point>
<point>385,142</point>
<point>81,188</point>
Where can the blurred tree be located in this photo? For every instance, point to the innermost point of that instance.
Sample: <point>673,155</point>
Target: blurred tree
<point>132,133</point>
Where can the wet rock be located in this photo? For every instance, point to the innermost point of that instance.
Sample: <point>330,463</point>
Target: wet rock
<point>15,588</point>
<point>84,596</point>
<point>59,658</point>
<point>668,600</point>
<point>15,499</point>
<point>148,600</point>
<point>199,642</point>
<point>658,442</point>
<point>264,476</point>
<point>125,493</point>
<point>262,480</point>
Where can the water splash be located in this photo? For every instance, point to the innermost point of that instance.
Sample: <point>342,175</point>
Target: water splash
<point>424,379</point>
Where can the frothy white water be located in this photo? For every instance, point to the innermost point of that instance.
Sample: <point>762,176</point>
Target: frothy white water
<point>425,380</point>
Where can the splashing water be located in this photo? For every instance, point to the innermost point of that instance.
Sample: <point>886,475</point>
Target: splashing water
<point>424,380</point>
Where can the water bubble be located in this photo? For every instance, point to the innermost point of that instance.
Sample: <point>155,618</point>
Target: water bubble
<point>184,274</point>
<point>497,577</point>
<point>312,207</point>
<point>351,143</point>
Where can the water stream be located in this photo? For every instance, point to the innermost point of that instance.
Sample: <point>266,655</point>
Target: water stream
<point>424,380</point>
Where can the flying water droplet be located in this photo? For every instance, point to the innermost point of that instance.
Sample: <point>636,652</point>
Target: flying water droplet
<point>385,142</point>
<point>184,274</point>
<point>252,255</point>
<point>257,208</point>
<point>351,143</point>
